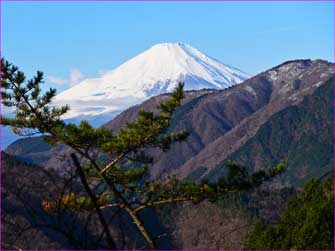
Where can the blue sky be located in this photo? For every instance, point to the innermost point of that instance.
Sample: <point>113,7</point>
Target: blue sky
<point>72,40</point>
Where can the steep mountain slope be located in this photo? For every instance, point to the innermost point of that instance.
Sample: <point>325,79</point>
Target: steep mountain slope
<point>220,122</point>
<point>287,84</point>
<point>301,134</point>
<point>155,71</point>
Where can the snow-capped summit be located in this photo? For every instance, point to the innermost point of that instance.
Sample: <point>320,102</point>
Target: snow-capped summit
<point>154,71</point>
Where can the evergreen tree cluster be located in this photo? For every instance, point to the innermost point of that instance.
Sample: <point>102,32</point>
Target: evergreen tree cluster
<point>307,223</point>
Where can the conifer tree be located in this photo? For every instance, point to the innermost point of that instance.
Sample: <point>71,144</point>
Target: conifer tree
<point>125,174</point>
<point>306,223</point>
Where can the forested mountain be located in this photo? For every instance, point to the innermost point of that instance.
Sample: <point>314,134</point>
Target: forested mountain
<point>300,134</point>
<point>282,114</point>
<point>220,122</point>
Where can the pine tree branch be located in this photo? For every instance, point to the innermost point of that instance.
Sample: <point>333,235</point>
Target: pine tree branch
<point>122,155</point>
<point>111,205</point>
<point>112,163</point>
<point>161,202</point>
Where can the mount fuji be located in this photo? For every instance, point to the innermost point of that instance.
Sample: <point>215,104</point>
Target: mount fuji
<point>155,71</point>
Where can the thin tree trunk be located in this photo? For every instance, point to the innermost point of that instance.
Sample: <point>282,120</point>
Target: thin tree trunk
<point>103,222</point>
<point>137,221</point>
<point>125,205</point>
<point>142,228</point>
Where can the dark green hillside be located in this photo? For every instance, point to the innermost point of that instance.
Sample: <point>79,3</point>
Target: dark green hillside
<point>305,224</point>
<point>302,135</point>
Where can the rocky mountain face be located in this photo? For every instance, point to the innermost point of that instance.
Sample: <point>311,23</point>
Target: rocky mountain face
<point>219,121</point>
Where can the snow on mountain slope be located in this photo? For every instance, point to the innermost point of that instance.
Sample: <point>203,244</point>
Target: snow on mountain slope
<point>155,71</point>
